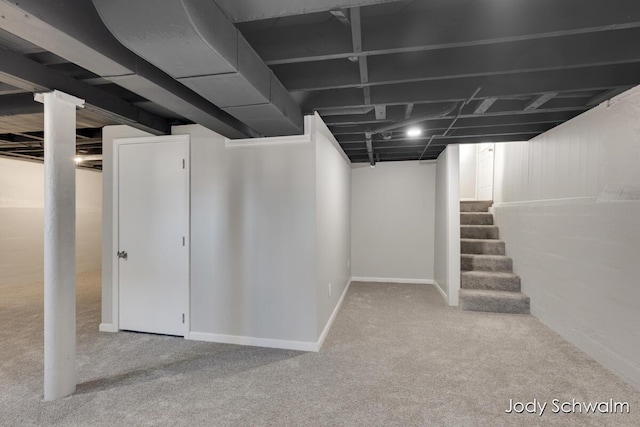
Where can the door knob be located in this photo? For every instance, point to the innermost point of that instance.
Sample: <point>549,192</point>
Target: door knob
<point>122,254</point>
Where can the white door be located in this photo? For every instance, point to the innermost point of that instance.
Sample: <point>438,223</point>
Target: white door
<point>485,171</point>
<point>153,228</point>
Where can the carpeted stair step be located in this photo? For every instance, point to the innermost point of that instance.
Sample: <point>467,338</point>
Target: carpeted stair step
<point>490,280</point>
<point>476,218</point>
<point>493,301</point>
<point>482,246</point>
<point>479,232</point>
<point>486,263</point>
<point>476,206</point>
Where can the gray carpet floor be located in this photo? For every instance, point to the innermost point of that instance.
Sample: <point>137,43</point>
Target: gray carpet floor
<point>396,355</point>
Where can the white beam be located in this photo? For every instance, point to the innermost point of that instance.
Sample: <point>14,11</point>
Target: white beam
<point>408,110</point>
<point>538,101</point>
<point>381,112</point>
<point>598,99</point>
<point>485,105</point>
<point>341,15</point>
<point>59,243</point>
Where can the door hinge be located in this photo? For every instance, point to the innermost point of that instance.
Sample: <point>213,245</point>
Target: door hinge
<point>184,163</point>
<point>183,240</point>
<point>182,317</point>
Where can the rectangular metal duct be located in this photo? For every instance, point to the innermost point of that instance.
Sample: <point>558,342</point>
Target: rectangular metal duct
<point>194,42</point>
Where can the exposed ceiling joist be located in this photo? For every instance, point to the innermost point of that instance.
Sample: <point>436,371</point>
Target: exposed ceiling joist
<point>346,111</point>
<point>341,15</point>
<point>455,131</point>
<point>369,69</point>
<point>19,103</point>
<point>538,101</point>
<point>32,136</point>
<point>408,110</point>
<point>485,105</point>
<point>255,10</point>
<point>436,111</point>
<point>416,30</point>
<point>598,99</point>
<point>529,84</point>
<point>367,95</point>
<point>618,47</point>
<point>369,145</point>
<point>32,76</point>
<point>351,124</point>
<point>356,40</point>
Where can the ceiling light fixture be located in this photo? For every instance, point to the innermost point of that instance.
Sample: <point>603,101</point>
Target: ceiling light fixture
<point>414,132</point>
<point>77,160</point>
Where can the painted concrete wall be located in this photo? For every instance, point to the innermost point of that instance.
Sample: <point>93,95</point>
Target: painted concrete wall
<point>468,170</point>
<point>109,133</point>
<point>568,204</point>
<point>447,224</point>
<point>333,221</point>
<point>22,221</point>
<point>392,217</point>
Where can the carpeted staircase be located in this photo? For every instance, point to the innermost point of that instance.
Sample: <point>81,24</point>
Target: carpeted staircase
<point>487,282</point>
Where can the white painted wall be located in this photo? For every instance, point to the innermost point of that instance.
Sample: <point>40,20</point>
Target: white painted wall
<point>269,228</point>
<point>253,258</point>
<point>468,171</point>
<point>22,221</point>
<point>447,224</point>
<point>568,203</point>
<point>392,217</point>
<point>333,221</point>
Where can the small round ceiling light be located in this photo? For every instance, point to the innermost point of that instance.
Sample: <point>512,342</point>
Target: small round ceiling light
<point>414,132</point>
<point>77,160</point>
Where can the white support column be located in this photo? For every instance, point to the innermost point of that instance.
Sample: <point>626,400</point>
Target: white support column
<point>59,243</point>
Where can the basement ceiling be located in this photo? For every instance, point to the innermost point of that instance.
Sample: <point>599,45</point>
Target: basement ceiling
<point>460,71</point>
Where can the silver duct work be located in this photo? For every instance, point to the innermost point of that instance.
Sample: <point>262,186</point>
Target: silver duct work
<point>195,43</point>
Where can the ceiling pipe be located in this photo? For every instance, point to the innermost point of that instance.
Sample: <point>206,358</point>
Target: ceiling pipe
<point>369,142</point>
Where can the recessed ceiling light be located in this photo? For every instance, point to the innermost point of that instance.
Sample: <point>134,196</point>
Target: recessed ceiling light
<point>414,132</point>
<point>78,160</point>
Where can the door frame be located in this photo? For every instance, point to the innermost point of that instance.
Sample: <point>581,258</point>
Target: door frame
<point>115,266</point>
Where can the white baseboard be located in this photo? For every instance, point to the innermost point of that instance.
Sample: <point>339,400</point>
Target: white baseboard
<point>393,280</point>
<point>107,327</point>
<point>272,343</point>
<point>257,342</point>
<point>325,332</point>
<point>444,295</point>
